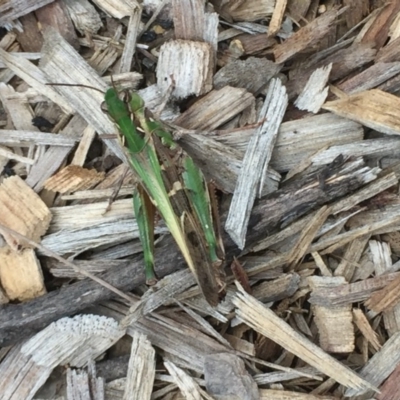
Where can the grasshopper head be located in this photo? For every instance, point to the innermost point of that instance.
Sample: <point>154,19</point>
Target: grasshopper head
<point>136,102</point>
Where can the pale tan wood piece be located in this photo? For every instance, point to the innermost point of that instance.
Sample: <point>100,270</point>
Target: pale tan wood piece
<point>23,211</point>
<point>72,178</point>
<point>373,108</point>
<point>255,162</point>
<point>187,385</point>
<point>366,329</point>
<point>307,235</point>
<point>21,274</point>
<point>26,138</point>
<point>117,8</point>
<point>84,144</point>
<point>351,258</point>
<point>13,9</point>
<point>271,394</point>
<point>141,369</point>
<point>190,64</point>
<point>315,92</point>
<point>277,17</point>
<point>325,271</point>
<point>216,108</point>
<point>335,324</point>
<point>380,366</point>
<point>261,319</point>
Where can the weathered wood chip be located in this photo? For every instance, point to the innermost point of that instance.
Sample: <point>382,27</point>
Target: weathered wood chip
<point>23,211</point>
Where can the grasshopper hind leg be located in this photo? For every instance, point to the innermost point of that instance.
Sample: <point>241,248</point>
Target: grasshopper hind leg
<point>144,213</point>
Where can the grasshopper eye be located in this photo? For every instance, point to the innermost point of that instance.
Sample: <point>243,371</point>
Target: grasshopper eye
<point>103,107</point>
<point>125,96</point>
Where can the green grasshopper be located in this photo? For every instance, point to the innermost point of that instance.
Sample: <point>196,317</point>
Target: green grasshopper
<point>171,183</point>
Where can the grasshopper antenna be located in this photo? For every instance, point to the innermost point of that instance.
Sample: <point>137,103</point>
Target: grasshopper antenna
<point>76,85</point>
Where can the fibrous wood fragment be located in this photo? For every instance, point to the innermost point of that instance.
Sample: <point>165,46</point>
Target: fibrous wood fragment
<point>28,138</point>
<point>306,36</point>
<point>380,366</point>
<point>190,64</point>
<point>353,292</point>
<point>335,327</point>
<point>187,385</point>
<point>189,19</point>
<point>131,38</point>
<point>83,384</point>
<point>56,54</point>
<point>250,10</point>
<point>23,211</point>
<point>13,9</point>
<point>75,341</point>
<point>141,369</point>
<point>84,15</point>
<point>255,162</point>
<point>364,326</point>
<point>315,91</point>
<point>370,78</point>
<point>351,258</point>
<point>216,108</point>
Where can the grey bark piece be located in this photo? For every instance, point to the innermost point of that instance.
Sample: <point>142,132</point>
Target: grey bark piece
<point>251,74</point>
<point>226,378</point>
